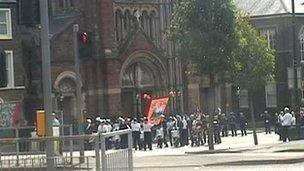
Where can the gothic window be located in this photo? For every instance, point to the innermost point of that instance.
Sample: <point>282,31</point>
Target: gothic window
<point>146,25</point>
<point>269,34</point>
<point>127,21</point>
<point>138,74</point>
<point>118,25</point>
<point>152,25</point>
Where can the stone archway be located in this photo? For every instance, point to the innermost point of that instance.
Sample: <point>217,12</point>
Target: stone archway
<point>65,88</point>
<point>142,72</point>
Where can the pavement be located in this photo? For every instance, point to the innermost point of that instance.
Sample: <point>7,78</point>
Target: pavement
<point>234,153</point>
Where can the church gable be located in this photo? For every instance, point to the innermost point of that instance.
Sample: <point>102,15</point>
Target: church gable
<point>137,41</point>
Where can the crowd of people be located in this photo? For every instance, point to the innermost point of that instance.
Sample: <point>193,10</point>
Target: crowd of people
<point>178,131</point>
<point>282,122</point>
<point>174,131</point>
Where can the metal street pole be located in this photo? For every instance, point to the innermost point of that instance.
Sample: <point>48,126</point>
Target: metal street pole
<point>78,90</point>
<point>47,82</point>
<point>295,96</point>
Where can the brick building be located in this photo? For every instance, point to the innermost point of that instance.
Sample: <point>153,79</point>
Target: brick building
<point>132,58</point>
<point>12,71</point>
<point>273,19</point>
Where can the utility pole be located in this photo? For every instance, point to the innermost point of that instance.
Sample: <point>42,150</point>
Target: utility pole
<point>295,97</point>
<point>78,90</point>
<point>47,82</point>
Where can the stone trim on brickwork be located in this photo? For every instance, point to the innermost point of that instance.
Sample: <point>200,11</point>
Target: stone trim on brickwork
<point>13,88</point>
<point>63,75</point>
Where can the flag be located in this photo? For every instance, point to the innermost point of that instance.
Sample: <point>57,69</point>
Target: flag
<point>156,108</point>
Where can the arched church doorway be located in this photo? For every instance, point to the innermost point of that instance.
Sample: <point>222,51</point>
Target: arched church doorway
<point>143,76</point>
<point>65,98</point>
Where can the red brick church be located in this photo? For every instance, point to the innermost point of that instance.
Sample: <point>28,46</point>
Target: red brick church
<point>131,60</point>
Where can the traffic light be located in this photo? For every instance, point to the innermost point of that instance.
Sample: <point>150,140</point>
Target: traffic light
<point>85,45</point>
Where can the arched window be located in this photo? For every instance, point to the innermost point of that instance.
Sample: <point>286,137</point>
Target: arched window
<point>118,25</point>
<point>127,21</point>
<point>152,25</point>
<point>145,22</point>
<point>301,39</point>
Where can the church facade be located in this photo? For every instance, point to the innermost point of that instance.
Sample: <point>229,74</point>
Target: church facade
<point>132,61</point>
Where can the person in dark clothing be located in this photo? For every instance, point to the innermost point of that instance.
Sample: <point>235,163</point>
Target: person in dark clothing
<point>243,124</point>
<point>179,125</point>
<point>217,129</point>
<point>88,131</point>
<point>88,127</point>
<point>266,117</point>
<point>123,138</point>
<point>163,124</point>
<point>278,124</point>
<point>170,125</point>
<point>224,125</point>
<point>301,118</point>
<point>232,124</point>
<point>204,128</point>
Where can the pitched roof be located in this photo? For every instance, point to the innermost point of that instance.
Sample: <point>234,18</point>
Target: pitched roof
<point>59,23</point>
<point>268,7</point>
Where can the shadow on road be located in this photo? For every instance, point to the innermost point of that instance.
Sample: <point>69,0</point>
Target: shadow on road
<point>258,162</point>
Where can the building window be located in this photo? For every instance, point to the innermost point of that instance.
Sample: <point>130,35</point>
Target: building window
<point>301,39</point>
<point>244,101</point>
<point>61,4</point>
<point>5,23</point>
<point>7,69</point>
<point>271,95</point>
<point>66,4</point>
<point>269,34</point>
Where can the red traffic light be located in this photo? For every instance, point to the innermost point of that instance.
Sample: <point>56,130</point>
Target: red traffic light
<point>84,37</point>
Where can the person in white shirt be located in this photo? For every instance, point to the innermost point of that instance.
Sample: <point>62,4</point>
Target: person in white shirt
<point>147,134</point>
<point>286,123</point>
<point>135,126</point>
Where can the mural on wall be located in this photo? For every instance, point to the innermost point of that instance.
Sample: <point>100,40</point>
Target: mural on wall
<point>10,113</point>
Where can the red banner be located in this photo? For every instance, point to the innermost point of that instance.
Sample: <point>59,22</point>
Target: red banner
<point>10,113</point>
<point>156,108</point>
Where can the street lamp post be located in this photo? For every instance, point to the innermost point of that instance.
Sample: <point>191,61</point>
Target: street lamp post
<point>238,92</point>
<point>176,94</point>
<point>137,105</point>
<point>47,83</point>
<point>295,94</point>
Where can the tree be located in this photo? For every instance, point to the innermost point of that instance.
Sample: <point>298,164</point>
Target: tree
<point>205,31</point>
<point>216,39</point>
<point>253,62</point>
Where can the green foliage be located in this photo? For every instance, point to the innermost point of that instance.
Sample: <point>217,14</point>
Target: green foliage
<point>206,32</point>
<point>253,60</point>
<point>216,39</point>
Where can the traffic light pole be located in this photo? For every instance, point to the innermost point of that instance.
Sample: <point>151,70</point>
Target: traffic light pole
<point>78,90</point>
<point>295,63</point>
<point>47,82</point>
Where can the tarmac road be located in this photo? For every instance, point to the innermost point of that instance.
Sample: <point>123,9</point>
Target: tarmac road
<point>235,153</point>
